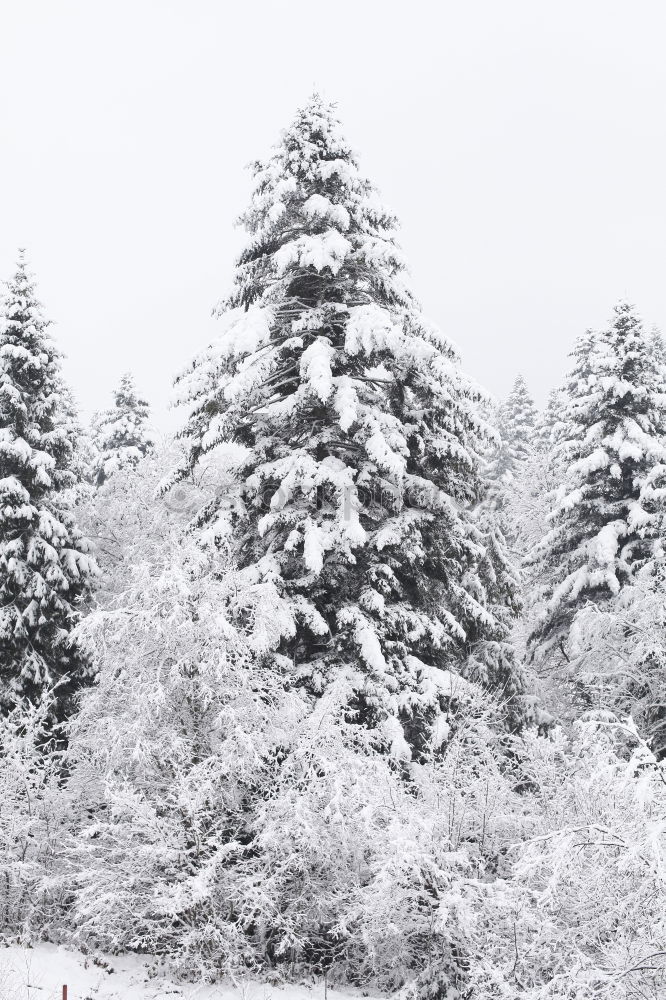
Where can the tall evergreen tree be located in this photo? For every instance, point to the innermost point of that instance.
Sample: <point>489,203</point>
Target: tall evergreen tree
<point>609,459</point>
<point>356,441</point>
<point>121,433</point>
<point>44,566</point>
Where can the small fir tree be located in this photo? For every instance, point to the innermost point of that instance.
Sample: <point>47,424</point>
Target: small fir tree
<point>517,422</point>
<point>658,347</point>
<point>355,442</point>
<point>548,422</point>
<point>121,434</point>
<point>45,569</point>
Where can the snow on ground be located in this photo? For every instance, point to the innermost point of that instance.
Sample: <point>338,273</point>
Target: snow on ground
<point>39,973</point>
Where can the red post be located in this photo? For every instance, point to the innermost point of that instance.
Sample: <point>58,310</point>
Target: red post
<point>64,993</point>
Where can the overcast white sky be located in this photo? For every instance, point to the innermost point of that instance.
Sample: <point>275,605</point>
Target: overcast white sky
<point>522,145</point>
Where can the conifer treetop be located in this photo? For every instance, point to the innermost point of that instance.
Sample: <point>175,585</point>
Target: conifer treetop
<point>548,421</point>
<point>517,421</point>
<point>121,433</point>
<point>313,212</point>
<point>33,437</point>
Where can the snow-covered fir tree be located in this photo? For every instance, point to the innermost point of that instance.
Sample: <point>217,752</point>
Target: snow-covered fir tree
<point>355,439</point>
<point>517,422</point>
<point>608,457</point>
<point>528,508</point>
<point>658,348</point>
<point>121,434</point>
<point>548,422</point>
<point>510,472</point>
<point>45,569</point>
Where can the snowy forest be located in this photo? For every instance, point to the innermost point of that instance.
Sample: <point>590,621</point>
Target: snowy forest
<point>360,677</point>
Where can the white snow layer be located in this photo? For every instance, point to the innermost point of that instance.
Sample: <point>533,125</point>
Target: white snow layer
<point>39,973</point>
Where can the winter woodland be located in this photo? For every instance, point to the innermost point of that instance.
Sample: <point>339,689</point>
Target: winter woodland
<point>362,675</point>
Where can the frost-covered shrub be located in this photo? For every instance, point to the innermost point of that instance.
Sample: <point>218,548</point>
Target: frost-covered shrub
<point>593,870</point>
<point>617,651</point>
<point>429,911</point>
<point>225,821</point>
<point>315,830</point>
<point>174,740</point>
<point>34,812</point>
<point>374,870</point>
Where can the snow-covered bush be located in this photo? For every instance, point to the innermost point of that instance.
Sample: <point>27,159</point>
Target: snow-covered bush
<point>617,651</point>
<point>593,869</point>
<point>223,820</point>
<point>374,870</point>
<point>315,830</point>
<point>167,752</point>
<point>434,904</point>
<point>173,741</point>
<point>33,817</point>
